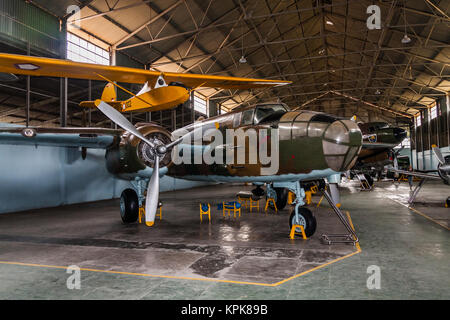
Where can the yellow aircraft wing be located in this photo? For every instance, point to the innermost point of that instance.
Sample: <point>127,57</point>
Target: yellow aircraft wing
<point>38,66</point>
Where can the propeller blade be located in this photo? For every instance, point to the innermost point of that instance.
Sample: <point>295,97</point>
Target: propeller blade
<point>116,117</point>
<point>177,141</point>
<point>438,154</point>
<point>396,174</point>
<point>151,199</point>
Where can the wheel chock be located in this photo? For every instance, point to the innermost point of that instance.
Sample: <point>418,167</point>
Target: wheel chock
<point>293,233</point>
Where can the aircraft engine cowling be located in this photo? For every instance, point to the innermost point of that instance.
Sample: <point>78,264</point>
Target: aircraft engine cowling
<point>132,154</point>
<point>444,172</point>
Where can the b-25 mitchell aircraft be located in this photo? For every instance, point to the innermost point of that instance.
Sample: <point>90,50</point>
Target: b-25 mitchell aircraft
<point>379,140</point>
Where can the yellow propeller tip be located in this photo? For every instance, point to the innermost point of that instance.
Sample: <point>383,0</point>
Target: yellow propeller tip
<point>97,102</point>
<point>149,223</point>
<point>434,146</point>
<point>217,125</point>
<point>338,205</point>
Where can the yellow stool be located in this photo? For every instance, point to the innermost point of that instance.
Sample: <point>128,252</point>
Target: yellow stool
<point>142,213</point>
<point>243,201</point>
<point>202,212</point>
<point>302,231</point>
<point>231,207</point>
<point>254,204</point>
<point>273,202</point>
<point>308,197</point>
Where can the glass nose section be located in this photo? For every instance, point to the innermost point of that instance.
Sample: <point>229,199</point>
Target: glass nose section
<point>341,144</point>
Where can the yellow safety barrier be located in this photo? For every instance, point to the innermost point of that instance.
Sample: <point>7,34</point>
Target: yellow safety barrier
<point>273,202</point>
<point>302,231</point>
<point>208,212</point>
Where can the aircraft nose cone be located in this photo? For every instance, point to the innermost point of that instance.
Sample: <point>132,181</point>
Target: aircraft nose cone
<point>341,144</point>
<point>399,134</point>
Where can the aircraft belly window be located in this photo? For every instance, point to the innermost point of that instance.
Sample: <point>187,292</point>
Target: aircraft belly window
<point>316,129</point>
<point>247,117</point>
<point>351,156</point>
<point>299,129</point>
<point>335,162</point>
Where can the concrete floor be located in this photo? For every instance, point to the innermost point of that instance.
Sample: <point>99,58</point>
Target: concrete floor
<point>411,250</point>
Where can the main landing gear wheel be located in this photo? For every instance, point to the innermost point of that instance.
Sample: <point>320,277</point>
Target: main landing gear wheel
<point>369,179</point>
<point>129,206</point>
<point>280,199</point>
<point>304,217</point>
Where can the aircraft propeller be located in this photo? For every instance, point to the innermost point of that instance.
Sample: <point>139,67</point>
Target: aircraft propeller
<point>151,199</point>
<point>443,167</point>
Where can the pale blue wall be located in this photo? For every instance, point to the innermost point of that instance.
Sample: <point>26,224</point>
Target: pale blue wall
<point>427,160</point>
<point>38,177</point>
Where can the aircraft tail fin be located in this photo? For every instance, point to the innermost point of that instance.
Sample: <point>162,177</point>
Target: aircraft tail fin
<point>109,93</point>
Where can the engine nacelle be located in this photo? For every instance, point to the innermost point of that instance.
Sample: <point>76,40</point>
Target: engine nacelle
<point>132,154</point>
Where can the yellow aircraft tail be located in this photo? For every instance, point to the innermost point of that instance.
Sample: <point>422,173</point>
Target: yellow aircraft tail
<point>109,95</point>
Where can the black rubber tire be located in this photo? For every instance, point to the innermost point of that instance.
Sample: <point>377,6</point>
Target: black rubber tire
<point>129,206</point>
<point>369,179</point>
<point>281,200</point>
<point>311,223</point>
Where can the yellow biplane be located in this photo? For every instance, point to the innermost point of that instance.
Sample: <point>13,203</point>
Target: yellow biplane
<point>160,91</point>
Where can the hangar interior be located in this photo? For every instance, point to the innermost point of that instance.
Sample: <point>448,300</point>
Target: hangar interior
<point>60,208</point>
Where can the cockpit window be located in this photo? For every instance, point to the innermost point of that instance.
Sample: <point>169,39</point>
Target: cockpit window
<point>323,118</point>
<point>247,117</point>
<point>270,112</point>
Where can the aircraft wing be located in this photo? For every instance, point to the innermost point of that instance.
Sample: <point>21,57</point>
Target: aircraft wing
<point>98,138</point>
<point>38,66</point>
<point>417,174</point>
<point>377,145</point>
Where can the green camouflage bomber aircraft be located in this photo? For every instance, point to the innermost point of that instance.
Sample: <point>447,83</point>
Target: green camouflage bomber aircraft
<point>379,140</point>
<point>310,145</point>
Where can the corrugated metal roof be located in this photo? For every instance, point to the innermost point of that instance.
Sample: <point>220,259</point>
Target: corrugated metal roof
<point>320,45</point>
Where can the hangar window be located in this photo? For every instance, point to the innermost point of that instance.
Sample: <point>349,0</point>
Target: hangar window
<point>83,51</point>
<point>418,121</point>
<point>200,105</point>
<point>433,112</point>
